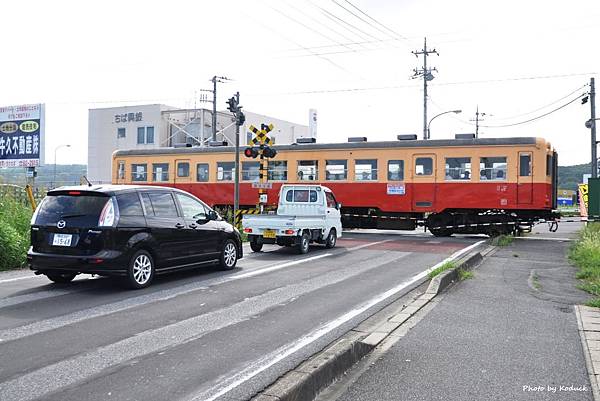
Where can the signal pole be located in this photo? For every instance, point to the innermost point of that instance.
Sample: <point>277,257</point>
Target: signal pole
<point>235,108</point>
<point>593,127</point>
<point>427,76</point>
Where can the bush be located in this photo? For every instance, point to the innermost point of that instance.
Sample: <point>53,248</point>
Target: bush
<point>14,233</point>
<point>585,254</point>
<point>503,240</point>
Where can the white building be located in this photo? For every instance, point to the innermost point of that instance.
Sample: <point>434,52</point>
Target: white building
<point>158,125</point>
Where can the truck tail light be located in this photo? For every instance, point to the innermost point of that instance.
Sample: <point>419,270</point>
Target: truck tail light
<point>247,230</point>
<point>289,232</point>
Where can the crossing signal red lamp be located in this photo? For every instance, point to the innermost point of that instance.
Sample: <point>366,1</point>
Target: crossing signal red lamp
<point>269,152</point>
<point>251,152</point>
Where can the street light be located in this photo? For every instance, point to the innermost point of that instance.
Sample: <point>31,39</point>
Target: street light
<point>55,149</point>
<point>434,117</point>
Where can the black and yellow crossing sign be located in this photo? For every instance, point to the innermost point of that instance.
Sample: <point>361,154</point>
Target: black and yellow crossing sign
<point>260,135</point>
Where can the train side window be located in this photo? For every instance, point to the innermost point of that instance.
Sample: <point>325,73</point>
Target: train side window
<point>139,172</point>
<point>250,171</point>
<point>308,170</point>
<point>336,170</point>
<point>202,172</point>
<point>458,168</point>
<point>183,169</point>
<point>424,166</point>
<point>524,165</point>
<point>225,171</point>
<point>121,170</point>
<point>160,172</point>
<point>548,165</point>
<point>492,168</point>
<point>396,170</point>
<point>277,170</point>
<point>365,170</point>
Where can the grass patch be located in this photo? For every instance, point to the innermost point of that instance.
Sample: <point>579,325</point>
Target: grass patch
<point>535,280</point>
<point>585,254</point>
<point>14,233</point>
<point>442,268</point>
<point>465,274</point>
<point>594,303</point>
<point>503,240</point>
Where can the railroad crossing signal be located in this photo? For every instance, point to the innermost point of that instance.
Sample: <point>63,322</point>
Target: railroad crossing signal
<point>260,146</point>
<point>260,136</point>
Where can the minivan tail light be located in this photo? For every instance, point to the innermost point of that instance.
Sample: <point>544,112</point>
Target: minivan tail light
<point>108,217</point>
<point>74,193</point>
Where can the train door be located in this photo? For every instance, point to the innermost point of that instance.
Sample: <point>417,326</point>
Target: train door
<point>525,179</point>
<point>423,182</point>
<point>182,171</point>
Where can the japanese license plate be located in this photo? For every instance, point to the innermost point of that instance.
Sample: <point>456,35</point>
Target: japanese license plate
<point>269,233</point>
<point>62,240</point>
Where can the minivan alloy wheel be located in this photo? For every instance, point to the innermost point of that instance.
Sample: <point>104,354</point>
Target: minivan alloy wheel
<point>142,269</point>
<point>230,254</point>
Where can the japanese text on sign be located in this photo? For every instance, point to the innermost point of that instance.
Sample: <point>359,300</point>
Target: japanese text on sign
<point>128,117</point>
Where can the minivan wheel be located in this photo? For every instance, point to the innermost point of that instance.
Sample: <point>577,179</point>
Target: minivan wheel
<point>141,270</point>
<point>61,278</point>
<point>229,255</point>
<point>304,244</point>
<point>331,239</point>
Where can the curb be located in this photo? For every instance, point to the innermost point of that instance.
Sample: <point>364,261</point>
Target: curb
<point>305,381</point>
<point>590,344</point>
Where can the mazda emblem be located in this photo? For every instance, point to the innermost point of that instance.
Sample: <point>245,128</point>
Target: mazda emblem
<point>61,224</point>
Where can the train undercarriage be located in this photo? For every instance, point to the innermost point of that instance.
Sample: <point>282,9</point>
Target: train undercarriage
<point>450,221</point>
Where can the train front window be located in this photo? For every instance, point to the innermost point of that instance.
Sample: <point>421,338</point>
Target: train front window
<point>277,170</point>
<point>458,168</point>
<point>424,166</point>
<point>225,171</point>
<point>492,168</point>
<point>365,170</point>
<point>308,170</point>
<point>139,172</point>
<point>396,170</point>
<point>336,170</point>
<point>250,171</point>
<point>202,172</point>
<point>524,165</point>
<point>160,172</point>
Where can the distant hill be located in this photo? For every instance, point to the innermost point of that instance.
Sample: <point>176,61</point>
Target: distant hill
<point>66,174</point>
<point>570,176</point>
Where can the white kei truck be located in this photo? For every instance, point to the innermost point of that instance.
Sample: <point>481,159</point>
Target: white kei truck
<point>305,214</point>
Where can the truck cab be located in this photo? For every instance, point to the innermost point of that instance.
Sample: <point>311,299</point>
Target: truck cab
<point>305,214</point>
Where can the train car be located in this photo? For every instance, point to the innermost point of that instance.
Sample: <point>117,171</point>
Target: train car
<point>486,185</point>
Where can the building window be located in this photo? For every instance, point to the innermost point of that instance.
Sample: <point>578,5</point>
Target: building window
<point>183,169</point>
<point>225,171</point>
<point>145,135</point>
<point>139,172</point>
<point>160,172</point>
<point>424,166</point>
<point>308,170</point>
<point>458,168</point>
<point>121,133</point>
<point>277,170</point>
<point>396,170</point>
<point>250,171</point>
<point>121,170</point>
<point>492,168</point>
<point>336,170</point>
<point>365,170</point>
<point>202,172</point>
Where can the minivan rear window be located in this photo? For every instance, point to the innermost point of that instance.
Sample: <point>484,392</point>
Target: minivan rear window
<point>80,210</point>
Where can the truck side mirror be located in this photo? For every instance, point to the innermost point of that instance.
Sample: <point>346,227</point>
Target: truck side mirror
<point>338,206</point>
<point>212,215</point>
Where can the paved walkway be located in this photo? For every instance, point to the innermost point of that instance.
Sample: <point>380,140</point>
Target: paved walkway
<point>510,333</point>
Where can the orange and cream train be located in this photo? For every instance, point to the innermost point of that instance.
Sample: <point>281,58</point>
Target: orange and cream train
<point>451,186</point>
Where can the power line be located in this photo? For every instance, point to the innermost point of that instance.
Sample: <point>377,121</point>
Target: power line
<point>535,118</point>
<point>377,22</point>
<point>364,20</point>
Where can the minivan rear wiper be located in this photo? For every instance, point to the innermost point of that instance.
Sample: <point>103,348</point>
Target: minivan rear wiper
<point>67,216</point>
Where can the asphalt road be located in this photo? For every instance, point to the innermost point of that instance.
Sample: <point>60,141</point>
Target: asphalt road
<point>202,334</point>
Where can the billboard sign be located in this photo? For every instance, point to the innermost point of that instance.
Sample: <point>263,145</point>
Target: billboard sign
<point>22,135</point>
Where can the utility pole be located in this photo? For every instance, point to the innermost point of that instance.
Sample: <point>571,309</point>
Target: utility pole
<point>235,108</point>
<point>593,127</point>
<point>214,80</point>
<point>427,75</point>
<point>477,120</point>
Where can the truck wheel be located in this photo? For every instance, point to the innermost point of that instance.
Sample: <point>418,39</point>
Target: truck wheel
<point>304,244</point>
<point>256,246</point>
<point>331,239</point>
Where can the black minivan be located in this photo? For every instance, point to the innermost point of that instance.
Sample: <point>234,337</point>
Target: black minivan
<point>132,231</point>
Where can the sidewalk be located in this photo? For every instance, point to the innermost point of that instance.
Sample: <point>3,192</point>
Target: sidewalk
<point>510,333</point>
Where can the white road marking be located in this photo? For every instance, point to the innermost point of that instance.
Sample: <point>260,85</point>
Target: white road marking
<point>356,248</point>
<point>228,384</point>
<point>8,280</point>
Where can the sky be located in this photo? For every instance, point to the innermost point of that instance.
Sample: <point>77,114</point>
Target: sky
<point>350,60</point>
